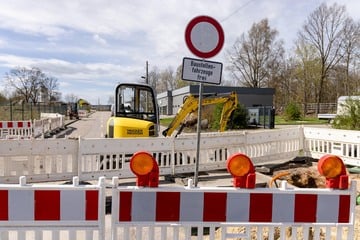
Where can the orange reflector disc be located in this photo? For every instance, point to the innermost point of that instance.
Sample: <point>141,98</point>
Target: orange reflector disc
<point>330,166</point>
<point>141,163</point>
<point>239,165</point>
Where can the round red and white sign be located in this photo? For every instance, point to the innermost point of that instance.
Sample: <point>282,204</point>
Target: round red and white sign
<point>204,36</point>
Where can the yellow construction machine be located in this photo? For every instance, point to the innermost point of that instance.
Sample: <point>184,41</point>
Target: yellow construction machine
<point>135,112</point>
<point>190,105</point>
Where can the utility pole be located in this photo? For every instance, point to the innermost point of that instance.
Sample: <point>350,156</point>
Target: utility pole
<point>146,77</point>
<point>147,73</point>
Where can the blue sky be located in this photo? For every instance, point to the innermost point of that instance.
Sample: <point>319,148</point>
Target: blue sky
<point>91,45</point>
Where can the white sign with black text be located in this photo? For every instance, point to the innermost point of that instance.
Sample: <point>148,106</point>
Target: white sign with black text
<point>199,70</point>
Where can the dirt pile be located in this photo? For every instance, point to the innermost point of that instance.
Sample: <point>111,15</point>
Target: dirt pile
<point>304,177</point>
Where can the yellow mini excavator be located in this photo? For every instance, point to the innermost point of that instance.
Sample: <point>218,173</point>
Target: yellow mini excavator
<point>135,112</point>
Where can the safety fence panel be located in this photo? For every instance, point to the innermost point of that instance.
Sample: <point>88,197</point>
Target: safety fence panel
<point>227,213</point>
<point>48,124</point>
<point>52,211</point>
<point>110,157</point>
<point>16,130</point>
<point>31,129</point>
<point>40,160</point>
<point>343,143</point>
<point>61,159</point>
<point>76,211</point>
<point>83,113</point>
<point>41,127</point>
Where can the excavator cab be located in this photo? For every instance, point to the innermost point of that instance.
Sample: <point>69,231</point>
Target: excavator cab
<point>135,112</point>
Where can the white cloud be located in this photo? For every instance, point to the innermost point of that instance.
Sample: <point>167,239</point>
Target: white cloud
<point>91,45</point>
<point>3,43</point>
<point>99,39</point>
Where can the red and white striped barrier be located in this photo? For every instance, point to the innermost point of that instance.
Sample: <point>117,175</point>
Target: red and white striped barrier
<point>83,113</point>
<point>268,207</point>
<point>231,205</point>
<point>16,129</point>
<point>68,207</point>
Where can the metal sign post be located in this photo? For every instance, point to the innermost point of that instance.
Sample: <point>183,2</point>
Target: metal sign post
<point>204,37</point>
<point>198,131</point>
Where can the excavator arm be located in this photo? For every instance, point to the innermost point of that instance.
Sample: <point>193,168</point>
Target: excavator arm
<point>191,104</point>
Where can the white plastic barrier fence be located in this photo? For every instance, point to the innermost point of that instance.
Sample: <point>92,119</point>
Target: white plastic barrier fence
<point>343,143</point>
<point>40,160</point>
<point>16,130</point>
<point>29,129</point>
<point>61,159</point>
<point>228,213</point>
<point>48,124</point>
<point>83,113</point>
<point>52,211</point>
<point>109,157</point>
<point>41,127</point>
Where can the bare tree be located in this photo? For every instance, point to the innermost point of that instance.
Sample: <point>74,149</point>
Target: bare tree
<point>51,85</point>
<point>179,82</point>
<point>154,76</point>
<point>23,81</point>
<point>255,56</point>
<point>306,73</point>
<point>71,98</point>
<point>324,30</point>
<point>2,98</point>
<point>166,80</point>
<point>351,50</point>
<point>29,82</point>
<point>111,100</point>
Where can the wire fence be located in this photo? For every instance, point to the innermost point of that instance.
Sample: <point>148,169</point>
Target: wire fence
<point>15,111</point>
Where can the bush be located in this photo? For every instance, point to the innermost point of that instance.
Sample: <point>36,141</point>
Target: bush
<point>292,112</point>
<point>239,118</point>
<point>215,124</point>
<point>350,119</point>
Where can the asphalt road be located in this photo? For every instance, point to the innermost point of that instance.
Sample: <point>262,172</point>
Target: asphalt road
<point>93,126</point>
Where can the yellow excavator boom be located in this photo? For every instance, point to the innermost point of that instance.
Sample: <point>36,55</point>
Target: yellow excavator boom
<point>191,104</point>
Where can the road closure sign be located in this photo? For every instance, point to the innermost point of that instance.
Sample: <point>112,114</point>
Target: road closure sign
<point>204,36</point>
<point>199,70</point>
